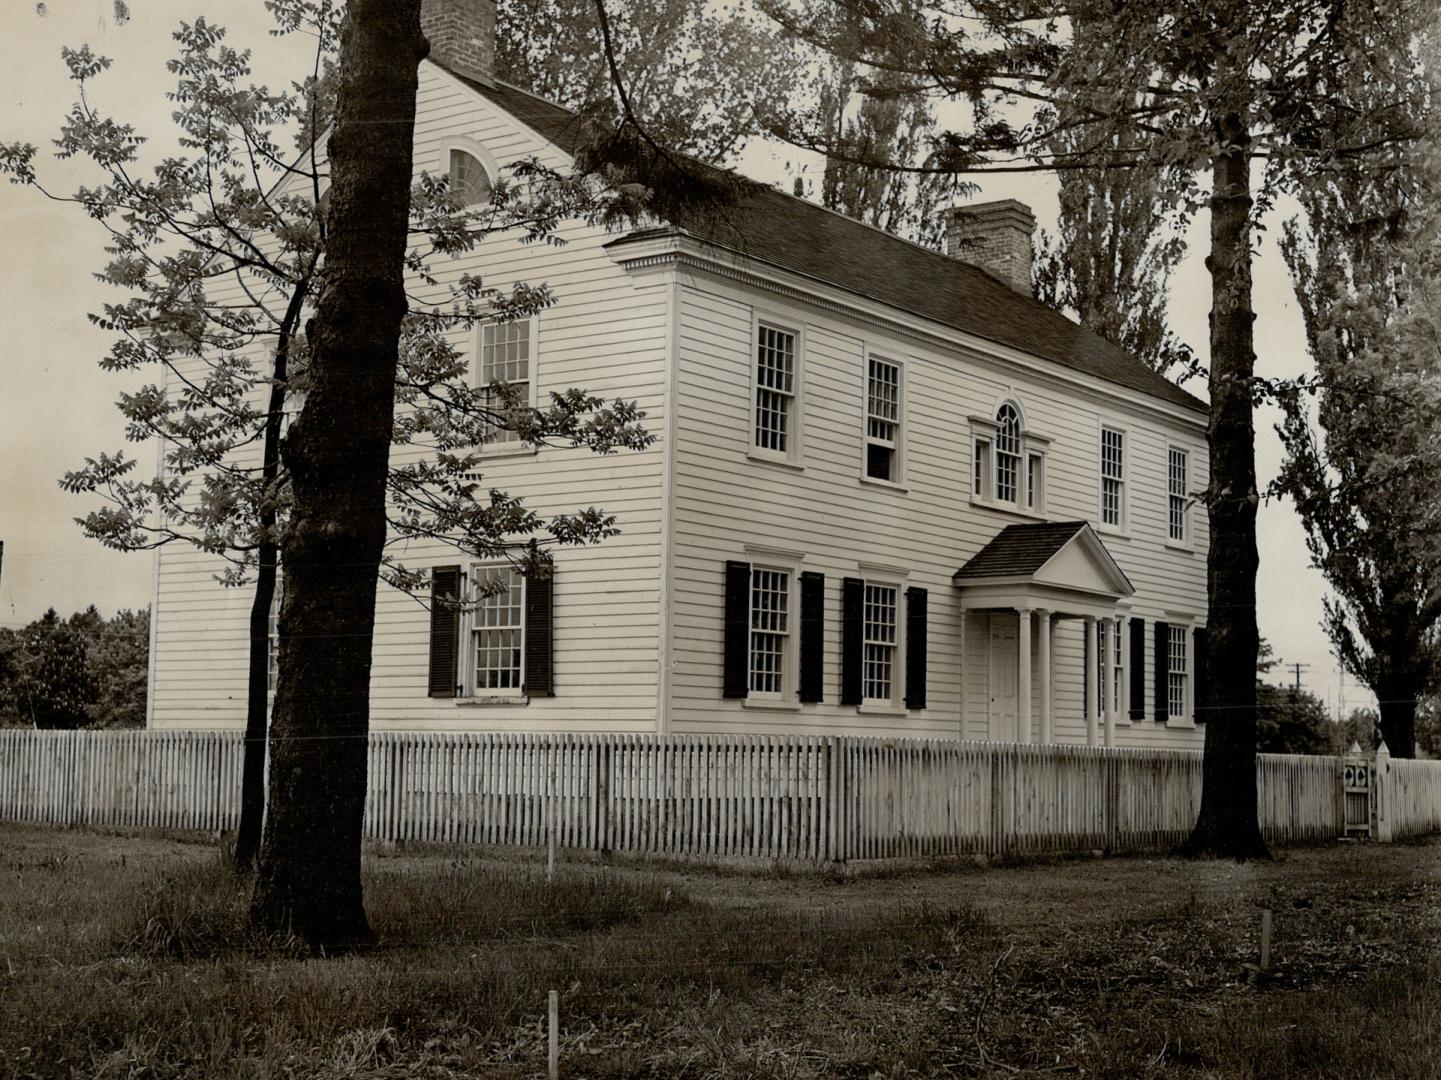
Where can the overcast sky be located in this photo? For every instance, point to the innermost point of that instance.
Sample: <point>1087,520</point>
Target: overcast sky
<point>58,406</point>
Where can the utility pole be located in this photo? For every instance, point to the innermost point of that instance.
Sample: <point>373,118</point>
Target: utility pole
<point>1299,668</point>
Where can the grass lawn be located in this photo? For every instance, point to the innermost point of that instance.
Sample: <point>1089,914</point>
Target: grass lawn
<point>125,956</point>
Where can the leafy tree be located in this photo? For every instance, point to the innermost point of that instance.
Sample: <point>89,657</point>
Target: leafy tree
<point>238,209</point>
<point>700,79</point>
<point>1361,728</point>
<point>1217,88</point>
<point>48,681</point>
<point>1292,721</point>
<point>1366,264</point>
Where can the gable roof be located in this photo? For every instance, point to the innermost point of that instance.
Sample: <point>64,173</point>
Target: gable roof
<point>799,236</point>
<point>1020,550</point>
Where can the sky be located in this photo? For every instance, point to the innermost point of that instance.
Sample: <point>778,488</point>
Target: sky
<point>58,407</point>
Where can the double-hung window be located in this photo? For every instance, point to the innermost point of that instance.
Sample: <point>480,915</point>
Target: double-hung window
<point>770,632</point>
<point>775,390</point>
<point>881,643</point>
<point>1008,454</point>
<point>505,376</point>
<point>1113,478</point>
<point>1176,671</point>
<point>883,420</point>
<point>497,630</point>
<point>1177,500</point>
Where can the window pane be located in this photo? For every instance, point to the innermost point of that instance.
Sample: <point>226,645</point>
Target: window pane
<point>1008,453</point>
<point>1176,670</point>
<point>770,628</point>
<point>1177,486</point>
<point>468,179</point>
<point>498,628</point>
<point>504,358</point>
<point>1113,466</point>
<point>775,387</point>
<point>878,675</point>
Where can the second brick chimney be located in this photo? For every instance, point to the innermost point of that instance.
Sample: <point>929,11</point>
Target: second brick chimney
<point>995,236</point>
<point>461,35</point>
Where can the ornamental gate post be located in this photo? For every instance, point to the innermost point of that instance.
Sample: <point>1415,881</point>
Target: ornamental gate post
<point>1356,774</point>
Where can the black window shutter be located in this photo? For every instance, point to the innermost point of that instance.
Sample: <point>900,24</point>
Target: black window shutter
<point>1138,669</point>
<point>1088,646</point>
<point>1203,685</point>
<point>853,628</point>
<point>539,634</point>
<point>444,630</point>
<point>813,636</point>
<point>736,682</point>
<point>1163,670</point>
<point>915,648</point>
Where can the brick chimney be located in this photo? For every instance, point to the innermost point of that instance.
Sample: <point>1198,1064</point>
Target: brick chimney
<point>995,236</point>
<point>461,35</point>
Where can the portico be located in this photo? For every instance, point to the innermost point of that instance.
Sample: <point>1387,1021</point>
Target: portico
<point>1024,583</point>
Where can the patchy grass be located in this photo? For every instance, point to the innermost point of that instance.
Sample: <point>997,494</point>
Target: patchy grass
<point>128,956</point>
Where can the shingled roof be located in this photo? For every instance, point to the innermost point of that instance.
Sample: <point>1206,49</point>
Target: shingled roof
<point>1020,550</point>
<point>799,236</point>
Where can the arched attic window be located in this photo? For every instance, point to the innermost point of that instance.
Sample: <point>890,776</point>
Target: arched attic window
<point>1008,453</point>
<point>468,178</point>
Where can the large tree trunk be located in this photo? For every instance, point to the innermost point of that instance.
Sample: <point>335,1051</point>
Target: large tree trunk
<point>1229,824</point>
<point>337,454</point>
<point>1398,716</point>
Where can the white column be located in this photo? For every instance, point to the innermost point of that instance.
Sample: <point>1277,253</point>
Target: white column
<point>1023,675</point>
<point>1089,653</point>
<point>1107,629</point>
<point>1043,627</point>
<point>961,629</point>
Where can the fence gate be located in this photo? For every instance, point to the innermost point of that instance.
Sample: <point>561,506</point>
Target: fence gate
<point>1356,779</point>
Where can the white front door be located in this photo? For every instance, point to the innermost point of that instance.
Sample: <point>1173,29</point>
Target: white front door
<point>1003,677</point>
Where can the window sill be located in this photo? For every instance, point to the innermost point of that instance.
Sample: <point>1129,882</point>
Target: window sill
<point>491,702</point>
<point>1176,545</point>
<point>879,708</point>
<point>1008,508</point>
<point>770,704</point>
<point>1181,725</point>
<point>1113,532</point>
<point>889,485</point>
<point>500,453</point>
<point>775,459</point>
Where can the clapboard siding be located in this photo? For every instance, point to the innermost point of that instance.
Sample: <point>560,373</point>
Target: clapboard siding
<point>605,334</point>
<point>930,529</point>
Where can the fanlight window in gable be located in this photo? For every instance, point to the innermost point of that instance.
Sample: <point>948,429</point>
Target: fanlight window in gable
<point>468,178</point>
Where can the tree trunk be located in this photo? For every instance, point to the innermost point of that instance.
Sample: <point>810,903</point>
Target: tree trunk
<point>257,705</point>
<point>1398,718</point>
<point>1229,824</point>
<point>337,454</point>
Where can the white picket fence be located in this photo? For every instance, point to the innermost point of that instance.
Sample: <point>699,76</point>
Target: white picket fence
<point>822,798</point>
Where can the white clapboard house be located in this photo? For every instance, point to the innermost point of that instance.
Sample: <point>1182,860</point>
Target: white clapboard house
<point>890,492</point>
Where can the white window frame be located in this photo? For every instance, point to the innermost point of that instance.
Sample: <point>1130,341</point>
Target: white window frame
<point>475,150</point>
<point>785,692</point>
<point>1179,633</point>
<point>511,445</point>
<point>1186,540</point>
<point>897,445</point>
<point>795,416</point>
<point>985,467</point>
<point>272,638</point>
<point>1122,523</point>
<point>470,627</point>
<point>879,577</point>
<point>1120,687</point>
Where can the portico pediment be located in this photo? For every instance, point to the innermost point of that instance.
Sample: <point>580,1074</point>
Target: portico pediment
<point>1062,565</point>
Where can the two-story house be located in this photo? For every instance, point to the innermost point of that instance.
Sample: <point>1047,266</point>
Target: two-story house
<point>890,492</point>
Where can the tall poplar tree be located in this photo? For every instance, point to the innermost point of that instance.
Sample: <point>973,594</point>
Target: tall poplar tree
<point>1243,97</point>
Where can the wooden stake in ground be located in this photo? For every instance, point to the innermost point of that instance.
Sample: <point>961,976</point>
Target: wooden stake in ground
<point>554,1021</point>
<point>1265,939</point>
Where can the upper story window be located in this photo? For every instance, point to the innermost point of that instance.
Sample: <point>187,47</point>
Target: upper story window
<point>1008,462</point>
<point>468,179</point>
<point>1178,501</point>
<point>1008,453</point>
<point>881,643</point>
<point>775,390</point>
<point>1113,477</point>
<point>497,631</point>
<point>506,358</point>
<point>883,420</point>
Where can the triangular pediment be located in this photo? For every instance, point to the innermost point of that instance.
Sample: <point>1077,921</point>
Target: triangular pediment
<point>1064,556</point>
<point>1083,563</point>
